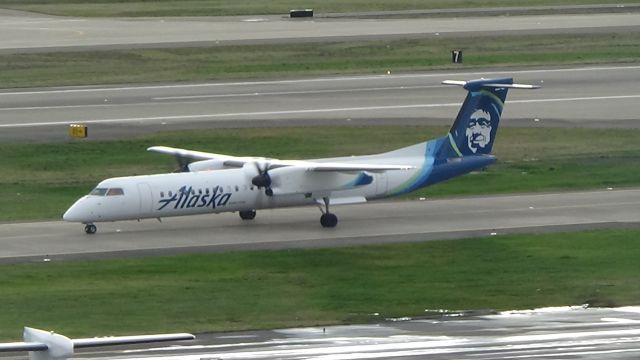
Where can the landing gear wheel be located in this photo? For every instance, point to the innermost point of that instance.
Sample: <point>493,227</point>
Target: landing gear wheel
<point>247,214</point>
<point>328,220</point>
<point>90,229</point>
<point>268,191</point>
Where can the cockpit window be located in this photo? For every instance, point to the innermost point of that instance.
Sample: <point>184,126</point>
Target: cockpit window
<point>107,192</point>
<point>115,191</point>
<point>98,192</point>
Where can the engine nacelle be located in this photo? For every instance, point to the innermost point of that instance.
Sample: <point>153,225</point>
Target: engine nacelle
<point>206,165</point>
<point>250,171</point>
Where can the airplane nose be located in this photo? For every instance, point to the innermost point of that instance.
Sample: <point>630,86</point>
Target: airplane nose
<point>70,214</point>
<point>74,213</point>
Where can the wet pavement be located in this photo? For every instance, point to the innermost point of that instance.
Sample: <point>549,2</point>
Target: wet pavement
<point>553,333</point>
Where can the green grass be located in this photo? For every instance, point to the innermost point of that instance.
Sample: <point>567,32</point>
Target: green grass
<point>39,181</point>
<point>312,59</point>
<point>104,8</point>
<point>253,290</point>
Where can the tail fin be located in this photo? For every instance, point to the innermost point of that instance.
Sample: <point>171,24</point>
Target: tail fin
<point>476,126</point>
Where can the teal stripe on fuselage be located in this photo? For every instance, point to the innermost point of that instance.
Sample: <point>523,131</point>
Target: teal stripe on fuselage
<point>421,177</point>
<point>454,146</point>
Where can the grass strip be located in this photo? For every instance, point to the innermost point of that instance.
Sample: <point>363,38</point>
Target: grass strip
<point>110,8</point>
<point>257,290</point>
<point>312,59</point>
<point>39,181</point>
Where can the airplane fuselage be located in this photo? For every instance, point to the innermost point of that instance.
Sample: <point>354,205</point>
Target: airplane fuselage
<point>215,191</point>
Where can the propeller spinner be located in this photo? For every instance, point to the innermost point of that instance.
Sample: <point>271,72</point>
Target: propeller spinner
<point>259,174</point>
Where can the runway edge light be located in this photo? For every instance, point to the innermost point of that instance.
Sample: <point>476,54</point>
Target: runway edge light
<point>78,131</point>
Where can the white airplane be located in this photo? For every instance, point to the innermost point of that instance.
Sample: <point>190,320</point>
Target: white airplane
<point>218,183</point>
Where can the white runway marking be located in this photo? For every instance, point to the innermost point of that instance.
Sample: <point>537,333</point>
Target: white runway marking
<point>267,93</point>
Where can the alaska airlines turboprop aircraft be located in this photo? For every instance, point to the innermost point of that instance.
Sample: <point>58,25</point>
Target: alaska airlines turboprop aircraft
<point>218,183</point>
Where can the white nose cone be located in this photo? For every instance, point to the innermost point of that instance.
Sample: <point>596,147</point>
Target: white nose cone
<point>75,213</point>
<point>70,215</point>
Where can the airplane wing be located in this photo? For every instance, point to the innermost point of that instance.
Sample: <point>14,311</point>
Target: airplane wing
<point>129,340</point>
<point>95,342</point>
<point>52,346</point>
<point>23,346</point>
<point>239,161</point>
<point>228,160</point>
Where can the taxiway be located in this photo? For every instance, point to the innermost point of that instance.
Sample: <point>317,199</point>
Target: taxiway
<point>32,32</point>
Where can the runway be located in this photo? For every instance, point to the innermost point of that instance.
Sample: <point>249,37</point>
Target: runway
<point>571,97</point>
<point>33,32</point>
<point>549,333</point>
<point>372,223</point>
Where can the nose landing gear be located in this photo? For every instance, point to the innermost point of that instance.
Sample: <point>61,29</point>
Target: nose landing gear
<point>90,229</point>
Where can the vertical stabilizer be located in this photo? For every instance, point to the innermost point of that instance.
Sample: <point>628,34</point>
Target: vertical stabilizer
<point>476,126</point>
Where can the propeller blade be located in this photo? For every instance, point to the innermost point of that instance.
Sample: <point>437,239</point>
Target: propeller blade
<point>262,179</point>
<point>183,164</point>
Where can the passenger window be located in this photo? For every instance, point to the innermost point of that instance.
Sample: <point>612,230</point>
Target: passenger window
<point>237,188</point>
<point>115,192</point>
<point>162,194</point>
<point>98,192</point>
<point>170,194</point>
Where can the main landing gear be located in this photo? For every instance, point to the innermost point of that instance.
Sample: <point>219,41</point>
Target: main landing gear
<point>247,214</point>
<point>90,229</point>
<point>327,220</point>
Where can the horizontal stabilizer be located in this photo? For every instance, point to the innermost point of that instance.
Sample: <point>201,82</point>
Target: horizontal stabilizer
<point>513,86</point>
<point>489,85</point>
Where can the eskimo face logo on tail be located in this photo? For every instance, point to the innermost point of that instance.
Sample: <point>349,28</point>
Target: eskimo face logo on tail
<point>479,130</point>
